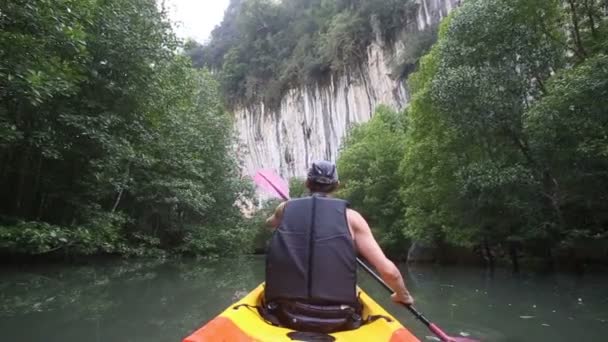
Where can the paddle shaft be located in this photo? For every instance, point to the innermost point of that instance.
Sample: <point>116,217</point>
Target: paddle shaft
<point>281,193</point>
<point>431,326</point>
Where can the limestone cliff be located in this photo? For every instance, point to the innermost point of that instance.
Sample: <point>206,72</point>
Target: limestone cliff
<point>311,122</point>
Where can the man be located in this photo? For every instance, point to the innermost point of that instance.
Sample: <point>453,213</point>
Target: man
<point>311,262</point>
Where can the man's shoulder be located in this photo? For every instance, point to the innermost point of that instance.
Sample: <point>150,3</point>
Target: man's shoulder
<point>281,207</point>
<point>353,211</point>
<point>353,215</point>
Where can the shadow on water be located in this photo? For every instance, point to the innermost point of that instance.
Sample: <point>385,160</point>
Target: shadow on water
<point>166,300</point>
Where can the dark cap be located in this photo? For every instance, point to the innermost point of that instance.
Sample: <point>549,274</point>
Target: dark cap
<point>323,172</point>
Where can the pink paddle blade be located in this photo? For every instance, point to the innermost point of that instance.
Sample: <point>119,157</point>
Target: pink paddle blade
<point>462,339</point>
<point>272,183</point>
<point>445,337</point>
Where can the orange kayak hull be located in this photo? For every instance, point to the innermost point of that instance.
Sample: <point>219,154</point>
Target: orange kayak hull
<point>244,324</point>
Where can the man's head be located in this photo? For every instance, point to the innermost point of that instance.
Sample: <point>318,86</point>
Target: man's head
<point>322,177</point>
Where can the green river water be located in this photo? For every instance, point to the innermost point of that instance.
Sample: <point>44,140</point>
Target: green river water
<point>157,301</point>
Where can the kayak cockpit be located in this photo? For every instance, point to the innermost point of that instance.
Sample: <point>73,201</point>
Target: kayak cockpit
<point>242,322</point>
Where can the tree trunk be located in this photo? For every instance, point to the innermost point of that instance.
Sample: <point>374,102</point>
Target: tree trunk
<point>36,189</point>
<point>560,42</point>
<point>4,162</point>
<point>22,171</point>
<point>549,262</point>
<point>441,250</point>
<point>576,29</point>
<point>552,193</point>
<point>541,85</point>
<point>551,190</point>
<point>157,225</point>
<point>122,189</point>
<point>41,206</point>
<point>589,9</point>
<point>514,257</point>
<point>117,200</point>
<point>488,253</point>
<point>5,183</point>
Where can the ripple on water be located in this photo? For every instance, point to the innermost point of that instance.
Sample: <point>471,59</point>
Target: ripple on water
<point>154,302</point>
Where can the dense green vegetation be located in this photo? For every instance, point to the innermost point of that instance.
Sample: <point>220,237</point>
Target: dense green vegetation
<point>505,143</point>
<point>369,169</point>
<point>264,47</point>
<point>110,142</point>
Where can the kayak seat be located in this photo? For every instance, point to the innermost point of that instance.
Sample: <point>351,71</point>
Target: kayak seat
<point>317,320</point>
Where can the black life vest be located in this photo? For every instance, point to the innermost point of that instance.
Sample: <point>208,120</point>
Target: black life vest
<point>311,257</point>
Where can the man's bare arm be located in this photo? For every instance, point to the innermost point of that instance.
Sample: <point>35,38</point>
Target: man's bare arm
<point>371,251</point>
<point>275,219</point>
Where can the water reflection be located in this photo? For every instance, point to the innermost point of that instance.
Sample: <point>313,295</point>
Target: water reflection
<point>507,307</point>
<point>166,300</point>
<point>120,301</point>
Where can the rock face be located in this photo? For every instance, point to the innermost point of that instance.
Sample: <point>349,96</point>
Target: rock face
<point>311,122</point>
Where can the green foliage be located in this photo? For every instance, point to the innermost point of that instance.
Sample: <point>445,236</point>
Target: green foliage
<point>264,47</point>
<point>297,188</point>
<point>369,162</point>
<point>110,140</point>
<point>429,164</point>
<point>102,235</point>
<point>257,225</point>
<point>505,144</point>
<point>343,43</point>
<point>487,60</point>
<point>569,132</point>
<point>494,59</point>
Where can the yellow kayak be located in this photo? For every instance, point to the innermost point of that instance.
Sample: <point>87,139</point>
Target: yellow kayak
<point>242,323</point>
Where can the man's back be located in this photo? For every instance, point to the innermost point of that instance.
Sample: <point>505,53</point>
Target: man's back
<point>311,259</point>
<point>311,256</point>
